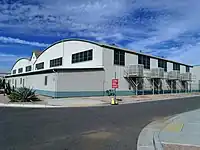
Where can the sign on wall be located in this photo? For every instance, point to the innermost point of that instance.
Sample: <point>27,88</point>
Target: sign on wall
<point>115,83</point>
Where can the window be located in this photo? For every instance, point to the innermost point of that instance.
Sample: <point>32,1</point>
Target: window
<point>187,68</point>
<point>28,68</point>
<point>162,64</point>
<point>20,70</point>
<point>40,66</point>
<point>14,71</point>
<point>82,56</point>
<point>176,66</point>
<point>56,62</point>
<point>119,57</point>
<point>20,80</point>
<point>145,60</point>
<point>45,80</point>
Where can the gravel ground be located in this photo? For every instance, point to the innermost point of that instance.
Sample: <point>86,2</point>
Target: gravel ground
<point>179,147</point>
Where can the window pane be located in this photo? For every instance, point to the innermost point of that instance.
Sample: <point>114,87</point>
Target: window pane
<point>85,56</point>
<point>78,57</point>
<point>116,61</point>
<point>122,58</point>
<point>14,71</point>
<point>187,69</point>
<point>40,65</point>
<point>90,55</point>
<point>116,57</point>
<point>20,70</point>
<point>73,58</point>
<point>81,56</point>
<point>56,62</point>
<point>140,59</point>
<point>51,63</point>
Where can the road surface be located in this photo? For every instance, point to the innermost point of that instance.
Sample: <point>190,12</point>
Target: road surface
<point>94,128</point>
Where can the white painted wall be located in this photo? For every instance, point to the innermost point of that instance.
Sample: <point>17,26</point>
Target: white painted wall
<point>182,69</point>
<point>169,66</point>
<point>32,61</point>
<point>71,47</point>
<point>35,81</point>
<point>53,52</point>
<point>20,64</point>
<point>66,50</point>
<point>130,59</point>
<point>153,63</point>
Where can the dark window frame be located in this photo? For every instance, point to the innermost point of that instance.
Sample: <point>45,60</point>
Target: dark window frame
<point>144,60</point>
<point>119,57</point>
<point>56,62</point>
<point>82,56</point>
<point>162,64</point>
<point>14,71</point>
<point>39,66</point>
<point>28,68</point>
<point>187,68</point>
<point>176,66</point>
<point>20,70</point>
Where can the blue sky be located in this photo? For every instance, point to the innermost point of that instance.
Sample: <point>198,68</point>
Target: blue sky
<point>167,28</point>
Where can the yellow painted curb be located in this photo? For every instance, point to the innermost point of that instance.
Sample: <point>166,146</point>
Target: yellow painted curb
<point>174,127</point>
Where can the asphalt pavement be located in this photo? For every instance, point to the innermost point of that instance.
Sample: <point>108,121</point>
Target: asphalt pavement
<point>88,128</point>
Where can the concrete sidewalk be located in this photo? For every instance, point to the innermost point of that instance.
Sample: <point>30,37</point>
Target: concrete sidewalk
<point>180,132</point>
<point>93,101</point>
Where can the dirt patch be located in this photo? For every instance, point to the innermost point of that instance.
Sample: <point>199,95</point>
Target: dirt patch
<point>97,134</point>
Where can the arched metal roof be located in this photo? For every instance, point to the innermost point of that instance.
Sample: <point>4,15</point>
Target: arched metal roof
<point>18,61</point>
<point>73,39</point>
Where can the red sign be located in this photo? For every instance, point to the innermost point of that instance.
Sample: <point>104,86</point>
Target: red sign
<point>115,83</point>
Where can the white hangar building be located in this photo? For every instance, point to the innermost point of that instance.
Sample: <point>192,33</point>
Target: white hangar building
<point>75,67</point>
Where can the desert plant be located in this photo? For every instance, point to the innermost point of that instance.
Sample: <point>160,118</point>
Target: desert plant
<point>13,89</point>
<point>23,94</point>
<point>1,83</point>
<point>110,92</point>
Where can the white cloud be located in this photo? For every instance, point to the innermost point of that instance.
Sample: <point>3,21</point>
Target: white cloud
<point>9,57</point>
<point>108,21</point>
<point>19,41</point>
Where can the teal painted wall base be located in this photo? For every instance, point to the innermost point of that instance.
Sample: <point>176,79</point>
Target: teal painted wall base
<point>101,93</point>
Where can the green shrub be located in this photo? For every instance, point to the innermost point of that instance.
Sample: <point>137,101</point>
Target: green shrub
<point>23,95</point>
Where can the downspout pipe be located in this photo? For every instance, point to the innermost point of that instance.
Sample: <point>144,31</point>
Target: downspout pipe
<point>56,81</point>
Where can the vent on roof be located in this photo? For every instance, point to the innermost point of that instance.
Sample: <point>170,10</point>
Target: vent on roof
<point>37,53</point>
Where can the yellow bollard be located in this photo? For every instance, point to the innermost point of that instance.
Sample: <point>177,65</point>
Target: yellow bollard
<point>112,101</point>
<point>116,102</point>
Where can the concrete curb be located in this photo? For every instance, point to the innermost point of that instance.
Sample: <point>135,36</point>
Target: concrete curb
<point>48,106</point>
<point>29,105</point>
<point>152,100</point>
<point>153,139</point>
<point>149,136</point>
<point>156,139</point>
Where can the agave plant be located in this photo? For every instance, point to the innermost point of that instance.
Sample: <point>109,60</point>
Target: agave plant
<point>23,95</point>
